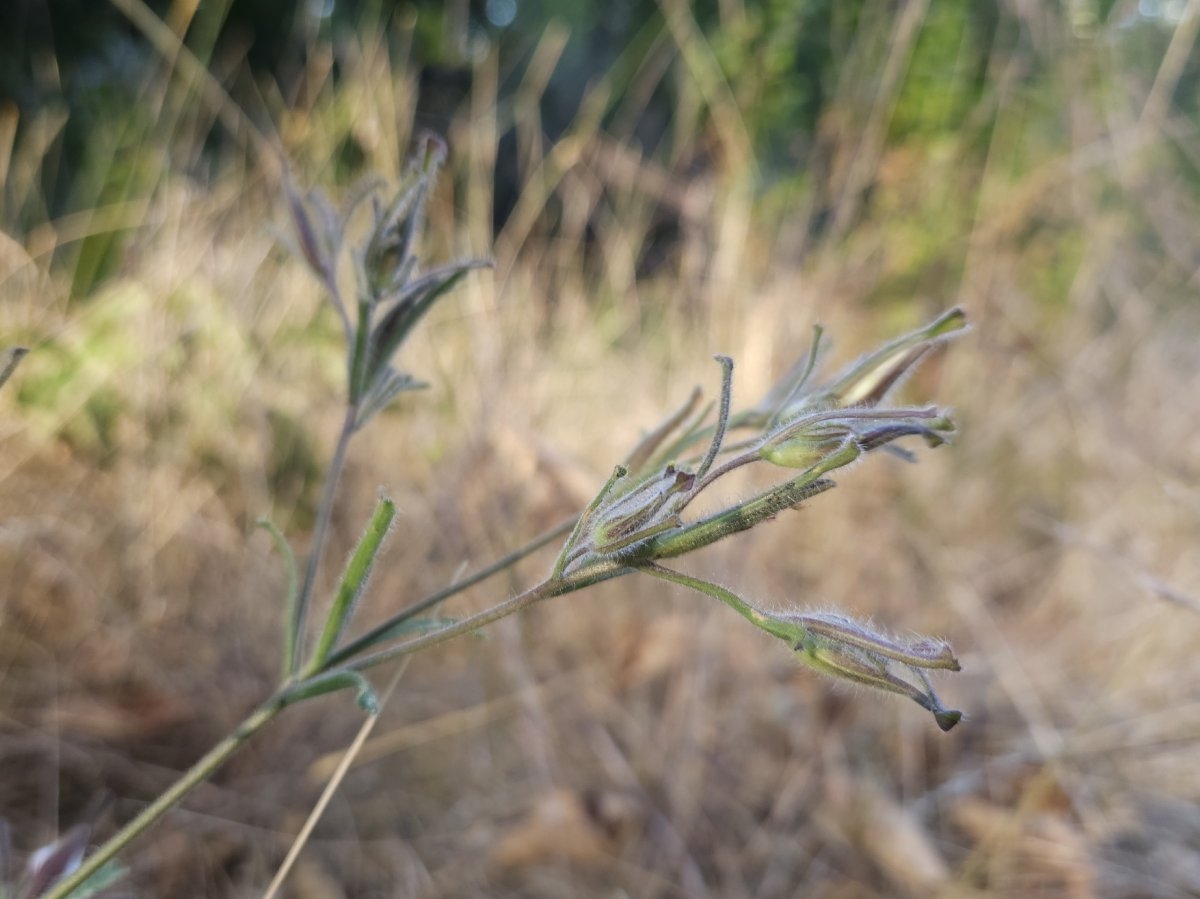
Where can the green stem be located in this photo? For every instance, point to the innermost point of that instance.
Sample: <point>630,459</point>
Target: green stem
<point>771,624</point>
<point>299,617</point>
<point>371,637</point>
<point>741,517</point>
<point>555,586</point>
<point>195,775</point>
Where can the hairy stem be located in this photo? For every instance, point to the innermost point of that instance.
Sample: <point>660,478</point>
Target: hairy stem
<point>371,637</point>
<point>299,618</point>
<point>555,586</point>
<point>768,623</point>
<point>198,773</point>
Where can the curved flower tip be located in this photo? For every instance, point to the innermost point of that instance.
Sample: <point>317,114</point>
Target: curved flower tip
<point>854,651</point>
<point>866,382</point>
<point>843,647</point>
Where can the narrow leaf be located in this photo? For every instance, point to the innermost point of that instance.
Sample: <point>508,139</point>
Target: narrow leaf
<point>384,389</point>
<point>868,380</point>
<point>354,581</point>
<point>360,355</point>
<point>416,299</point>
<point>407,628</point>
<point>311,248</point>
<point>332,681</point>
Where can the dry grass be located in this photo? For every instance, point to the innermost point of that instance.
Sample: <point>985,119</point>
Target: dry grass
<point>632,740</point>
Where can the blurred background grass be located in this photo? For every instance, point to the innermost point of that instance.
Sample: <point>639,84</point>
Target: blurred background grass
<point>657,182</point>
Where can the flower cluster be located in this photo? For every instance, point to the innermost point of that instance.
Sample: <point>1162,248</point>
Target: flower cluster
<point>393,293</point>
<point>637,518</point>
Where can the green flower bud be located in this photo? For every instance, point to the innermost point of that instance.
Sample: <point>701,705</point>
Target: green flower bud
<point>807,448</point>
<point>851,650</point>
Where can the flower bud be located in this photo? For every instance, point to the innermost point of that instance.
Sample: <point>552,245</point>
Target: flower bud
<point>851,650</point>
<point>807,448</point>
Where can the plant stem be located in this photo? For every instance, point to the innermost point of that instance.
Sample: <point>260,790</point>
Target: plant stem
<point>771,624</point>
<point>294,639</point>
<point>555,586</point>
<point>367,640</point>
<point>219,754</point>
<point>195,775</point>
